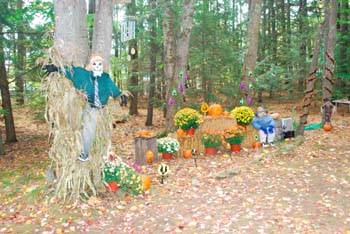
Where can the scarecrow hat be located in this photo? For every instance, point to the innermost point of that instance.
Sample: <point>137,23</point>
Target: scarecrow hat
<point>261,109</point>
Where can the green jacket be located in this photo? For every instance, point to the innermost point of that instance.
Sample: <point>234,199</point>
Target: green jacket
<point>84,80</point>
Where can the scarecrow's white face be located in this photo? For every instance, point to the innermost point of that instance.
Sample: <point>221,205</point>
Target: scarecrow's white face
<point>97,68</point>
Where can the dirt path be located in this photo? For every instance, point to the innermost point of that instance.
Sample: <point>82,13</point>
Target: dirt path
<point>306,190</point>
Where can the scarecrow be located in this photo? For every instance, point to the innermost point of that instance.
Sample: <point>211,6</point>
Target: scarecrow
<point>97,87</point>
<point>266,126</point>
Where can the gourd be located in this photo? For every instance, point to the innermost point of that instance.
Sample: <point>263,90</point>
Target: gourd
<point>181,132</point>
<point>149,156</point>
<point>256,144</point>
<point>146,182</point>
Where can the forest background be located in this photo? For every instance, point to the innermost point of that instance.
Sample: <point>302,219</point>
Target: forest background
<point>216,61</point>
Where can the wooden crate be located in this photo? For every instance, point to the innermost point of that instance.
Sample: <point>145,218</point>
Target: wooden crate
<point>143,144</point>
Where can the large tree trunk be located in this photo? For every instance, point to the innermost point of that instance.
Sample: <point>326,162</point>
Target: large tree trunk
<point>328,74</point>
<point>5,96</point>
<point>103,28</point>
<point>71,38</point>
<point>178,57</point>
<point>302,43</point>
<point>252,49</point>
<point>310,83</point>
<point>169,59</point>
<point>153,65</point>
<point>20,66</point>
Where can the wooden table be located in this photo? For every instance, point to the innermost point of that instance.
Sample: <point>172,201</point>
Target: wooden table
<point>342,101</point>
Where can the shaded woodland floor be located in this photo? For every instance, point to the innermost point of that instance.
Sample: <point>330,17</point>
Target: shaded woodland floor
<point>303,189</point>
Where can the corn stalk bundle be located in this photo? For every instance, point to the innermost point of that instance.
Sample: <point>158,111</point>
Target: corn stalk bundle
<point>64,108</point>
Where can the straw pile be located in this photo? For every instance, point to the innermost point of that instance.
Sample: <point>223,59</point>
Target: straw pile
<point>74,179</point>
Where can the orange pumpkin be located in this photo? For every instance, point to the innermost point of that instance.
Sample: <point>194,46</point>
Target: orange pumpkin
<point>256,144</point>
<point>142,133</point>
<point>226,113</point>
<point>149,156</point>
<point>187,153</point>
<point>215,110</point>
<point>181,132</point>
<point>327,127</point>
<point>146,182</point>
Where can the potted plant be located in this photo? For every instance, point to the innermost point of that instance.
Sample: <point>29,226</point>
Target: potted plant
<point>244,115</point>
<point>120,175</point>
<point>234,135</point>
<point>167,146</point>
<point>211,140</point>
<point>187,119</point>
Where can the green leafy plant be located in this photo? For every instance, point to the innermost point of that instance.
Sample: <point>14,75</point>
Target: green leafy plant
<point>168,145</point>
<point>211,138</point>
<point>187,118</point>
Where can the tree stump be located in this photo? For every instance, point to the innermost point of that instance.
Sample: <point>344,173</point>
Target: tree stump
<point>142,144</point>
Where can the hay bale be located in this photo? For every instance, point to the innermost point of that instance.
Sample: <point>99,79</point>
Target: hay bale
<point>249,137</point>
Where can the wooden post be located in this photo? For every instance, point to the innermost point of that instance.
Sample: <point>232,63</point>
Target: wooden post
<point>143,144</point>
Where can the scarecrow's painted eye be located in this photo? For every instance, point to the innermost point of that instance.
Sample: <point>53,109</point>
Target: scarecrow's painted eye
<point>94,64</point>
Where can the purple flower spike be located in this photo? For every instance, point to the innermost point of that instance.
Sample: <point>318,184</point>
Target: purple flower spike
<point>187,76</point>
<point>242,86</point>
<point>250,100</point>
<point>171,101</point>
<point>181,88</point>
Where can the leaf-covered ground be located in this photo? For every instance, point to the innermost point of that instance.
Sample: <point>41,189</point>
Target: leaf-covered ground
<point>288,189</point>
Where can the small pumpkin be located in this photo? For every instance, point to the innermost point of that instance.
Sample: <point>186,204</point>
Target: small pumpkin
<point>146,182</point>
<point>256,144</point>
<point>215,110</point>
<point>180,132</point>
<point>226,113</point>
<point>327,127</point>
<point>142,133</point>
<point>149,156</point>
<point>275,115</point>
<point>187,153</point>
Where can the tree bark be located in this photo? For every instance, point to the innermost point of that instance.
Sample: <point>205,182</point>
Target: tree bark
<point>328,74</point>
<point>103,29</point>
<point>20,65</point>
<point>310,83</point>
<point>252,49</point>
<point>153,65</point>
<point>5,96</point>
<point>134,79</point>
<point>302,47</point>
<point>71,37</point>
<point>169,59</point>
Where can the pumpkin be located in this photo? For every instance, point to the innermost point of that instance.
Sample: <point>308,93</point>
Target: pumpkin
<point>226,113</point>
<point>180,132</point>
<point>256,144</point>
<point>149,156</point>
<point>142,133</point>
<point>275,115</point>
<point>327,127</point>
<point>146,182</point>
<point>187,153</point>
<point>215,110</point>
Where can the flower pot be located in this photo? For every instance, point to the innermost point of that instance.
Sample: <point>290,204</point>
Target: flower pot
<point>167,156</point>
<point>113,186</point>
<point>210,151</point>
<point>235,147</point>
<point>190,132</point>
